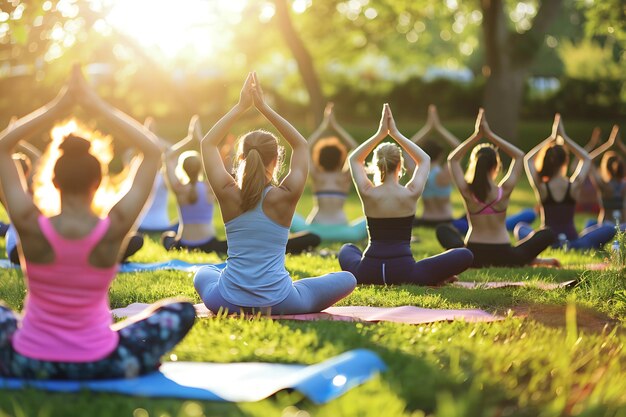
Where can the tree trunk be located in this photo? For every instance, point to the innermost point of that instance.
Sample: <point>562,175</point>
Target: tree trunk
<point>503,100</point>
<point>304,60</point>
<point>508,58</point>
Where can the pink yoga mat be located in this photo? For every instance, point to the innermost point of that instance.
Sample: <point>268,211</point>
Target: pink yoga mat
<point>600,266</point>
<point>404,314</point>
<point>504,284</point>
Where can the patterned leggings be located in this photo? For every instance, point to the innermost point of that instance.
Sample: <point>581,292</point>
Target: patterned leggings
<point>142,341</point>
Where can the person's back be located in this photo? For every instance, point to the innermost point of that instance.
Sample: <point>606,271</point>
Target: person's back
<point>257,217</point>
<point>67,315</point>
<point>255,273</point>
<point>487,219</point>
<point>436,195</point>
<point>558,206</point>
<point>156,218</point>
<point>390,209</point>
<point>330,191</point>
<point>331,184</point>
<point>71,258</point>
<point>486,202</point>
<point>196,216</point>
<point>558,192</point>
<point>194,198</point>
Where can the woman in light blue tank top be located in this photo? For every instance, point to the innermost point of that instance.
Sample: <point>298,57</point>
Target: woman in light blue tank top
<point>257,215</point>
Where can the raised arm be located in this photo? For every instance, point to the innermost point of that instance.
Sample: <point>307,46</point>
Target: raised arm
<point>422,160</point>
<point>317,134</point>
<point>606,145</point>
<point>531,156</point>
<point>150,124</point>
<point>217,174</point>
<point>457,154</point>
<point>172,154</point>
<point>13,186</point>
<point>584,160</point>
<point>450,139</point>
<point>428,127</point>
<point>341,132</point>
<point>517,158</point>
<point>358,156</point>
<point>295,179</point>
<point>125,212</point>
<point>594,139</point>
<point>30,151</point>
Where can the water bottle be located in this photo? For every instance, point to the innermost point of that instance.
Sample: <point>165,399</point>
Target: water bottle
<point>615,247</point>
<point>617,217</point>
<point>615,253</point>
<point>562,241</point>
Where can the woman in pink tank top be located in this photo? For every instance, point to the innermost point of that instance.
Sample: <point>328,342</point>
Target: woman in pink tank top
<point>70,259</point>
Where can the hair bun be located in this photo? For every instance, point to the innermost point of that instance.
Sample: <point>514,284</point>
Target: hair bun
<point>74,146</point>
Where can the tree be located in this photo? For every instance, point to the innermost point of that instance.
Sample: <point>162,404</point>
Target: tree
<point>303,58</point>
<point>508,57</point>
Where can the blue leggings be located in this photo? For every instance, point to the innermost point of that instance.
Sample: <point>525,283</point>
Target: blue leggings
<point>594,222</point>
<point>308,295</point>
<point>525,216</point>
<point>594,237</point>
<point>389,263</point>
<point>353,232</point>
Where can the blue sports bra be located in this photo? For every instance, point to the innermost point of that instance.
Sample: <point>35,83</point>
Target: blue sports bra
<point>338,194</point>
<point>200,212</point>
<point>431,189</point>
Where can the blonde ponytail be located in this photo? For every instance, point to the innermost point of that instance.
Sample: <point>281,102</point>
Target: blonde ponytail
<point>387,157</point>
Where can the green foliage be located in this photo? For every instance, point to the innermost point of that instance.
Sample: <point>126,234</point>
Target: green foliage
<point>588,60</point>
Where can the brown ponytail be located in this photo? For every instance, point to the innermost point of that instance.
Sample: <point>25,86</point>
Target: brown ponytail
<point>612,167</point>
<point>192,165</point>
<point>550,160</point>
<point>483,160</point>
<point>257,151</point>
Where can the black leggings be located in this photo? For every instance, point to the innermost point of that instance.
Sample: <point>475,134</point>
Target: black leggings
<point>297,243</point>
<point>498,254</point>
<point>139,350</point>
<point>169,241</point>
<point>391,262</point>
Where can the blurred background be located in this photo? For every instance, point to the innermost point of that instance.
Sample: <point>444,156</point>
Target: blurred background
<point>522,60</point>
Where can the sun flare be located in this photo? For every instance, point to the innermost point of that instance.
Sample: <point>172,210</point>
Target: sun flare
<point>46,196</point>
<point>174,28</point>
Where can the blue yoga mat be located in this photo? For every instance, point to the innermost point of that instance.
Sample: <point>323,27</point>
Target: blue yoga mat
<point>232,382</point>
<point>174,264</point>
<point>6,264</point>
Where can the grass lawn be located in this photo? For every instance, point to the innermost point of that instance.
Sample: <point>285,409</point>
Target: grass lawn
<point>565,358</point>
